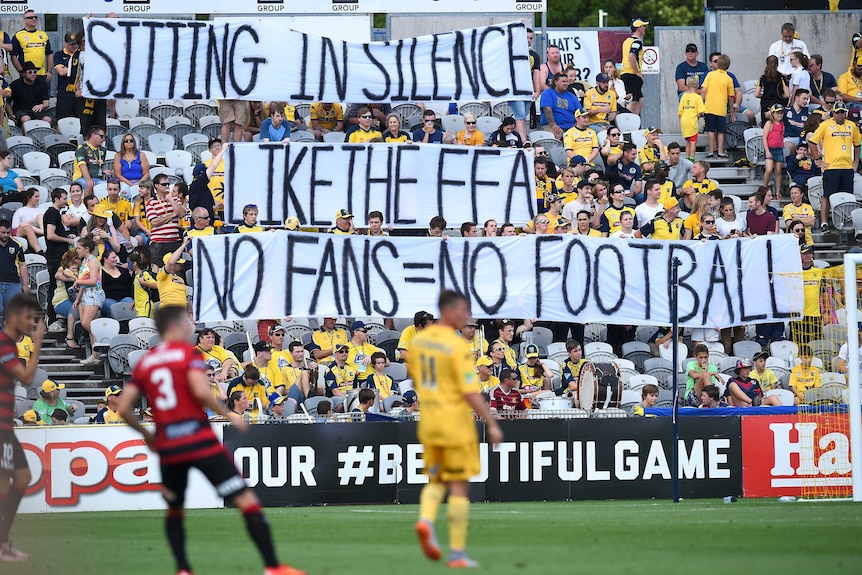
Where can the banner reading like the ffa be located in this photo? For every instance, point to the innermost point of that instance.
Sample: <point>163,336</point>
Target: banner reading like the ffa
<point>554,278</point>
<point>263,59</point>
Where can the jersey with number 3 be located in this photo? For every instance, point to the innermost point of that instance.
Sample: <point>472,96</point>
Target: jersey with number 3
<point>443,370</point>
<point>182,430</point>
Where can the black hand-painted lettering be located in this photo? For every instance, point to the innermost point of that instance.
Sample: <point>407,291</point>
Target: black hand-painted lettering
<point>497,93</point>
<point>290,169</point>
<point>599,288</point>
<point>234,277</point>
<point>328,269</point>
<point>503,274</point>
<point>718,275</point>
<point>315,183</point>
<point>387,80</point>
<point>675,251</point>
<point>94,47</point>
<point>476,182</point>
<point>217,62</point>
<point>645,261</point>
<point>448,278</point>
<point>393,209</point>
<point>303,74</point>
<point>400,96</point>
<point>513,58</point>
<point>192,93</point>
<point>522,177</point>
<point>128,25</point>
<point>291,271</point>
<point>381,274</point>
<point>465,65</point>
<point>151,50</point>
<point>770,270</point>
<point>333,68</point>
<point>215,276</point>
<point>443,182</point>
<point>415,96</point>
<point>543,269</point>
<point>352,271</point>
<point>743,317</point>
<point>434,59</point>
<point>254,61</point>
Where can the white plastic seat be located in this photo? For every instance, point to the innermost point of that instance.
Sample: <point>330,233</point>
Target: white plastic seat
<point>35,162</point>
<point>161,144</point>
<point>453,123</point>
<point>842,205</point>
<point>178,159</point>
<point>103,330</point>
<point>783,350</point>
<point>627,122</point>
<point>754,151</point>
<point>488,124</point>
<point>70,127</point>
<point>127,109</point>
<point>785,396</point>
<point>637,382</point>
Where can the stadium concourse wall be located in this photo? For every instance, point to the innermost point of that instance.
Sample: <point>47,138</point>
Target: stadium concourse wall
<point>108,468</point>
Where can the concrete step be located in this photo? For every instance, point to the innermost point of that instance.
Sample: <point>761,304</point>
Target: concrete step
<point>62,351</point>
<point>730,174</point>
<point>742,190</point>
<point>67,375</point>
<point>58,359</point>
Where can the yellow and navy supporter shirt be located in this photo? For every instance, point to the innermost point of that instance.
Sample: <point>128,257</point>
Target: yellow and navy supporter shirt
<point>322,339</point>
<point>632,45</point>
<point>610,219</point>
<point>327,119</point>
<point>661,229</point>
<point>703,187</point>
<point>581,142</point>
<point>340,378</point>
<point>32,47</point>
<point>544,187</point>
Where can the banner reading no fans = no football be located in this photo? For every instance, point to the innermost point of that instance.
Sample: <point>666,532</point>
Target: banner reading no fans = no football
<point>408,184</point>
<point>554,278</point>
<point>263,59</point>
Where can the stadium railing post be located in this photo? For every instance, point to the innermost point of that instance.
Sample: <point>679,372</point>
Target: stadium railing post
<point>854,409</point>
<point>674,315</point>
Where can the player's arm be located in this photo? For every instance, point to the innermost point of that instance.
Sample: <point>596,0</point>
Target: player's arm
<point>129,397</point>
<point>477,402</point>
<point>200,388</point>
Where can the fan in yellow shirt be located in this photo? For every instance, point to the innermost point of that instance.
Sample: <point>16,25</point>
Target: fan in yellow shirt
<point>365,133</point>
<point>804,376</point>
<point>444,373</point>
<point>799,210</point>
<point>690,109</point>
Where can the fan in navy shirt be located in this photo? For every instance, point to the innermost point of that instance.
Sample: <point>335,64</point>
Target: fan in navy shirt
<point>795,118</point>
<point>627,172</point>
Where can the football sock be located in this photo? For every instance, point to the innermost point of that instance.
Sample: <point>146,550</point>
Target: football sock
<point>8,510</point>
<point>176,531</point>
<point>258,529</point>
<point>430,500</point>
<point>458,514</point>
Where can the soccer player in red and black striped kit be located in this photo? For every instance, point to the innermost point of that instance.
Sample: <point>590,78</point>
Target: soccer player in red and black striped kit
<point>14,472</point>
<point>172,376</point>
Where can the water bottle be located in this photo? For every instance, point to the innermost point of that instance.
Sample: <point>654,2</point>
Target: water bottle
<point>453,108</point>
<point>787,499</point>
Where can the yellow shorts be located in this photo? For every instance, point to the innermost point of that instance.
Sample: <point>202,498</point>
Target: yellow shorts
<point>452,462</point>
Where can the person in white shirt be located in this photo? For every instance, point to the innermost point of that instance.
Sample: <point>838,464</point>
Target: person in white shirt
<point>730,225</point>
<point>843,363</point>
<point>782,49</point>
<point>626,231</point>
<point>647,211</point>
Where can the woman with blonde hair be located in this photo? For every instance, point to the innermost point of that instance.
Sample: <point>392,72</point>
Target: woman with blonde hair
<point>691,225</point>
<point>470,136</point>
<point>130,165</point>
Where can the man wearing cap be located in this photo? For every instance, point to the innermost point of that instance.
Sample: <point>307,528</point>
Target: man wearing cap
<point>411,401</point>
<point>49,400</point>
<point>30,97</point>
<point>690,67</point>
<point>112,396</point>
<point>626,171</point>
<point>280,355</point>
<point>653,150</point>
<point>271,376</point>
<point>326,339</point>
<point>840,159</point>
<point>667,226</point>
<point>360,351</point>
<point>764,376</point>
<point>201,193</point>
<point>609,222</point>
<point>172,287</point>
<point>580,140</point>
<point>534,375</point>
<point>32,45</point>
<point>339,376</point>
<point>343,223</point>
<point>558,107</point>
<point>544,184</point>
<point>163,212</point>
<point>810,327</point>
<point>554,213</point>
<point>277,407</point>
<point>31,418</point>
<point>601,104</point>
<point>421,320</point>
<point>90,164</point>
<point>631,74</point>
<point>743,391</point>
<point>479,345</point>
<point>487,379</point>
<point>65,88</point>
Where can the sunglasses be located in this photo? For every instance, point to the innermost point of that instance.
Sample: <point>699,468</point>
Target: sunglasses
<point>341,350</point>
<point>366,116</point>
<point>429,120</point>
<point>30,17</point>
<point>470,123</point>
<point>361,330</point>
<point>541,153</point>
<point>840,112</point>
<point>202,217</point>
<point>614,134</point>
<point>708,221</point>
<point>543,222</point>
<point>830,102</point>
<point>130,141</point>
<point>615,191</point>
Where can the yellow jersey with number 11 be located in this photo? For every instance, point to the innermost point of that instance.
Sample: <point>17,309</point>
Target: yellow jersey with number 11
<point>443,371</point>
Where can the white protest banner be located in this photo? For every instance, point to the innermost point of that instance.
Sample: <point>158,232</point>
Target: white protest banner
<point>579,48</point>
<point>185,7</point>
<point>409,184</point>
<point>263,59</point>
<point>554,278</point>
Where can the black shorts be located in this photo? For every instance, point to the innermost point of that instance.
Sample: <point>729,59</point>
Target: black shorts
<point>218,469</point>
<point>634,85</point>
<point>837,180</point>
<point>12,456</point>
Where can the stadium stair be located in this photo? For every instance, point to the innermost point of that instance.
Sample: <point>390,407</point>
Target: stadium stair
<point>83,383</point>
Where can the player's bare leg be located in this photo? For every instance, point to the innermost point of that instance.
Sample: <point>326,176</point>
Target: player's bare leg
<point>429,504</point>
<point>258,530</point>
<point>11,493</point>
<point>459,514</point>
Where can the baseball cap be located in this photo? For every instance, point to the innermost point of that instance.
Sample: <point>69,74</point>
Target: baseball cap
<point>484,360</point>
<point>262,346</point>
<point>276,328</point>
<point>101,212</point>
<point>30,416</point>
<point>168,257</point>
<point>602,77</point>
<point>560,222</point>
<point>805,248</point>
<point>691,47</point>
<point>71,39</point>
<point>48,386</point>
<point>410,397</point>
<point>198,169</point>
<point>292,223</point>
<point>341,348</point>
<point>583,184</point>
<point>550,198</point>
<point>839,107</point>
<point>637,23</point>
<point>662,165</point>
<point>504,322</point>
<point>531,351</point>
<point>472,322</point>
<point>652,130</point>
<point>113,390</point>
<point>343,214</point>
<point>280,399</point>
<point>742,363</point>
<point>670,203</point>
<point>357,325</point>
<point>776,108</point>
<point>575,160</point>
<point>760,355</point>
<point>580,113</point>
<point>28,65</point>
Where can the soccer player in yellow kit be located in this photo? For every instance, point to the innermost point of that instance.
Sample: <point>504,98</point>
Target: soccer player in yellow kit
<point>443,370</point>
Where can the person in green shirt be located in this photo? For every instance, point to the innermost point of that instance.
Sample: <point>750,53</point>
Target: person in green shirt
<point>49,400</point>
<point>698,374</point>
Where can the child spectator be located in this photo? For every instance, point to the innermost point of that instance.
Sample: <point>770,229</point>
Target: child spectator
<point>804,376</point>
<point>764,376</point>
<point>378,379</point>
<point>744,391</point>
<point>699,374</point>
<point>710,397</point>
<point>570,371</point>
<point>773,138</point>
<point>59,417</point>
<point>249,220</point>
<point>690,109</point>
<point>718,97</point>
<point>145,286</point>
<point>649,397</point>
<point>366,400</point>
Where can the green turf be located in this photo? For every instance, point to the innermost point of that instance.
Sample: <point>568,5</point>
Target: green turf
<point>693,537</point>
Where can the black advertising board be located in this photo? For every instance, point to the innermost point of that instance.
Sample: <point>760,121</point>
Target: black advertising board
<point>551,460</point>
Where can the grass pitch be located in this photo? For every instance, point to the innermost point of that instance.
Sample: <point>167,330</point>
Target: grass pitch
<point>702,536</point>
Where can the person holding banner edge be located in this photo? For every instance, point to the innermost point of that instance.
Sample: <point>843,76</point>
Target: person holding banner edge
<point>444,372</point>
